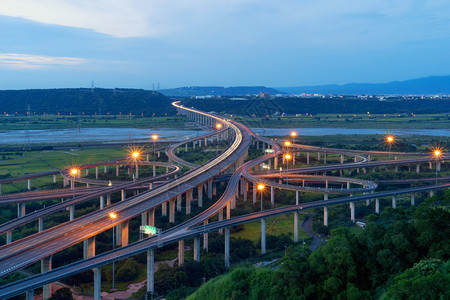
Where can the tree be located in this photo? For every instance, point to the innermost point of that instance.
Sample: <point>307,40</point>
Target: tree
<point>428,279</point>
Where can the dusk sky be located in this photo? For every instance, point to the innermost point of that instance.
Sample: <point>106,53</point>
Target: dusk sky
<point>138,43</point>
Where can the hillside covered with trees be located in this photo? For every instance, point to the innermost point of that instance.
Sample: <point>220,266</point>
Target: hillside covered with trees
<point>87,101</point>
<point>292,105</point>
<point>402,254</point>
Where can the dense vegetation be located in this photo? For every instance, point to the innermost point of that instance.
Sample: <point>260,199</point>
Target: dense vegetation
<point>87,101</point>
<point>289,105</point>
<point>402,253</point>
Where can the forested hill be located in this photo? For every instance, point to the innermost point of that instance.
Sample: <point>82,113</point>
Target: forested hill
<point>87,101</point>
<point>290,105</point>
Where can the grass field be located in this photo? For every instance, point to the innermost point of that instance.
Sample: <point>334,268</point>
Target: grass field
<point>389,121</point>
<point>274,226</point>
<point>397,121</point>
<point>39,161</point>
<point>84,121</point>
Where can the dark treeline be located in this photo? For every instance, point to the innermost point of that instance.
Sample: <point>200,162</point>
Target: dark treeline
<point>402,254</point>
<point>262,107</point>
<point>87,101</point>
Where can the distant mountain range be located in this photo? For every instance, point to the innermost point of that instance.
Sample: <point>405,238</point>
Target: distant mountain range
<point>193,91</point>
<point>421,86</point>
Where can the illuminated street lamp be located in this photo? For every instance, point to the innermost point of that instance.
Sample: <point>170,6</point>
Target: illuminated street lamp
<point>287,157</point>
<point>390,139</point>
<point>293,136</point>
<point>113,217</point>
<point>135,156</point>
<point>73,174</point>
<point>261,188</point>
<point>154,138</point>
<point>218,126</point>
<point>287,143</point>
<point>437,153</point>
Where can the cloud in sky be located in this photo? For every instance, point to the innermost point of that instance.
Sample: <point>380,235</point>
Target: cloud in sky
<point>228,42</point>
<point>29,61</point>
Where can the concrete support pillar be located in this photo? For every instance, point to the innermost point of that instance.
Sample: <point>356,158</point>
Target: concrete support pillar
<point>233,201</point>
<point>108,199</point>
<point>180,252</point>
<point>150,271</point>
<point>295,226</point>
<point>97,283</point>
<point>272,196</point>
<point>254,192</point>
<point>205,237</point>
<point>377,205</point>
<point>413,201</point>
<point>438,166</point>
<point>418,168</point>
<point>21,209</point>
<point>124,235</point>
<point>9,237</point>
<point>118,229</point>
<point>214,189</point>
<point>179,200</point>
<point>263,236</point>
<point>326,183</point>
<point>144,218</point>
<point>46,265</point>
<point>89,247</point>
<point>123,195</point>
<point>96,172</point>
<point>325,216</point>
<point>71,212</point>
<point>325,196</point>
<point>430,194</point>
<point>342,159</point>
<point>54,181</point>
<point>117,170</point>
<point>324,158</point>
<point>102,202</point>
<point>210,192</point>
<point>200,195</point>
<point>396,168</point>
<point>227,248</point>
<point>352,211</point>
<point>307,158</point>
<point>275,162</point>
<point>220,216</point>
<point>394,202</point>
<point>228,210</point>
<point>296,198</point>
<point>197,248</point>
<point>29,184</point>
<point>172,210</point>
<point>151,217</point>
<point>29,295</point>
<point>164,209</point>
<point>188,201</point>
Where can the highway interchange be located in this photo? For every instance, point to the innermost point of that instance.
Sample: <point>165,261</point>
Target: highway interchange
<point>29,250</point>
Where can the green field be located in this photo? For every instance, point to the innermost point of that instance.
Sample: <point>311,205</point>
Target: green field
<point>431,121</point>
<point>85,121</point>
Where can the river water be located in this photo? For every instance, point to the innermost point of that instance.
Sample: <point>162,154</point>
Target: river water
<point>53,136</point>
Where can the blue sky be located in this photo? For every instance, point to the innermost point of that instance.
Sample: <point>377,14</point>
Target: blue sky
<point>138,43</point>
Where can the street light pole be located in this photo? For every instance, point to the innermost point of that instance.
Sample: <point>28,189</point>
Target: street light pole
<point>390,140</point>
<point>74,173</point>
<point>113,216</point>
<point>261,188</point>
<point>154,137</point>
